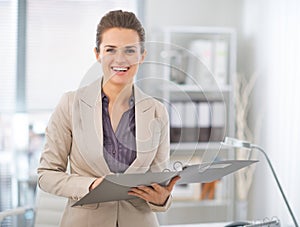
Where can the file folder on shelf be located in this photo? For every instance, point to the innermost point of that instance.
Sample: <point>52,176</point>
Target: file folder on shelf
<point>115,187</point>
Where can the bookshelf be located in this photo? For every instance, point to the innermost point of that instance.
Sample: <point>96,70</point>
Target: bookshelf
<point>191,69</point>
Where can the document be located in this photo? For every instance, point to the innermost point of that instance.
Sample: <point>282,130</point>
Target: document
<point>115,187</point>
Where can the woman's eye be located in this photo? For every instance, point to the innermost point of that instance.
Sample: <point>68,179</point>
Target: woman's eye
<point>130,51</point>
<point>110,50</point>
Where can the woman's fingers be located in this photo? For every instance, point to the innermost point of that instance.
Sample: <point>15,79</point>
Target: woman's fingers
<point>156,194</point>
<point>171,184</point>
<point>96,183</point>
<point>139,193</point>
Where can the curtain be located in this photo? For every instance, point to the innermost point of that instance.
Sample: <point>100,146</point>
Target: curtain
<point>276,30</point>
<point>284,96</point>
<point>8,57</point>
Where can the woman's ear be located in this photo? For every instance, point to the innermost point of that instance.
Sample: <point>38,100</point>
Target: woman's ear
<point>97,53</point>
<point>143,57</point>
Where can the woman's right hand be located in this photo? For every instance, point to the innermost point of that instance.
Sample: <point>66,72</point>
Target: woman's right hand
<point>96,183</point>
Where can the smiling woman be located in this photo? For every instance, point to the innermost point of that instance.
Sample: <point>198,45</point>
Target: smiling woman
<point>109,127</point>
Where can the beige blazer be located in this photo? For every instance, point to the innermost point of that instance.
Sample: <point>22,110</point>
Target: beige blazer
<point>74,137</point>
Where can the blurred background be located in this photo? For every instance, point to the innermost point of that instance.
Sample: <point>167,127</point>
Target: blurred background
<point>250,50</point>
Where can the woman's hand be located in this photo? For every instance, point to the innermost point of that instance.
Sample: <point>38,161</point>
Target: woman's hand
<point>96,183</point>
<point>156,194</point>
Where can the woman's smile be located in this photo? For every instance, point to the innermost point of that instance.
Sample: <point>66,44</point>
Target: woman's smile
<point>120,70</point>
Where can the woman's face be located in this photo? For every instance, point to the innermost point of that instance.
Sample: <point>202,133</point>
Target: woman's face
<point>120,55</point>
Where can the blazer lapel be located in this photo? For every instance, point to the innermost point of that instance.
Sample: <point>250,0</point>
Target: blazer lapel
<point>89,129</point>
<point>147,132</point>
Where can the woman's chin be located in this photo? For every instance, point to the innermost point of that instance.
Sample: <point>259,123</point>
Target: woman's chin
<point>121,80</point>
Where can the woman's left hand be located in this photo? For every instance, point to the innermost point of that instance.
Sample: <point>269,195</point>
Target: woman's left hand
<point>155,194</point>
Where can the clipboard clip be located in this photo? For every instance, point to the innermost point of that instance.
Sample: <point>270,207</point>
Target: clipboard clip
<point>177,166</point>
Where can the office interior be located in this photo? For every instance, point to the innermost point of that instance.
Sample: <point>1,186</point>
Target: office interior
<point>46,49</point>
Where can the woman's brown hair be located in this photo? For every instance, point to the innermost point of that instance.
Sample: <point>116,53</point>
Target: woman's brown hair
<point>120,19</point>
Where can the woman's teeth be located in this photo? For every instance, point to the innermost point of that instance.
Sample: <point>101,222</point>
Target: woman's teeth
<point>120,69</point>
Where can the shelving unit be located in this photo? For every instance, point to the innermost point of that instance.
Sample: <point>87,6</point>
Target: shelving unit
<point>192,66</point>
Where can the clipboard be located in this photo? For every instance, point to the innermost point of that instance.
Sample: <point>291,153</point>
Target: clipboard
<point>115,187</point>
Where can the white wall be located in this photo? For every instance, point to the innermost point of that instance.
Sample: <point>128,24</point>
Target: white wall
<point>192,12</point>
<point>274,25</point>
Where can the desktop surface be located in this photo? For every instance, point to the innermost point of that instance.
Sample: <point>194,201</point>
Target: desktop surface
<point>199,225</point>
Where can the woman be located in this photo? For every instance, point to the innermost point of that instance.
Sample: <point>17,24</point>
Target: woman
<point>108,127</point>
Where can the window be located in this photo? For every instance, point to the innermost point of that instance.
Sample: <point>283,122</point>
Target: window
<point>61,36</point>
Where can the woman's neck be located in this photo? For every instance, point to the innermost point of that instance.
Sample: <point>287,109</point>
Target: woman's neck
<point>117,93</point>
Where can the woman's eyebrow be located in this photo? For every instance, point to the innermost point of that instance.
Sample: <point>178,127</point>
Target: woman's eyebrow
<point>110,46</point>
<point>127,47</point>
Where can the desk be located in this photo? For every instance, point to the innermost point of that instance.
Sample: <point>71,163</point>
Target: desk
<point>269,223</point>
<point>199,225</point>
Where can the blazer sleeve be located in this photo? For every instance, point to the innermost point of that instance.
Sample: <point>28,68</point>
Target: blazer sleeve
<point>52,170</point>
<point>162,158</point>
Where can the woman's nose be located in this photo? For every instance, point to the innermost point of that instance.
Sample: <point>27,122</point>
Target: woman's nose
<point>120,57</point>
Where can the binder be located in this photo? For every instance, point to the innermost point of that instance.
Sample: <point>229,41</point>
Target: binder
<point>204,121</point>
<point>218,121</point>
<point>176,121</point>
<point>201,61</point>
<point>221,62</point>
<point>115,187</point>
<point>189,128</point>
